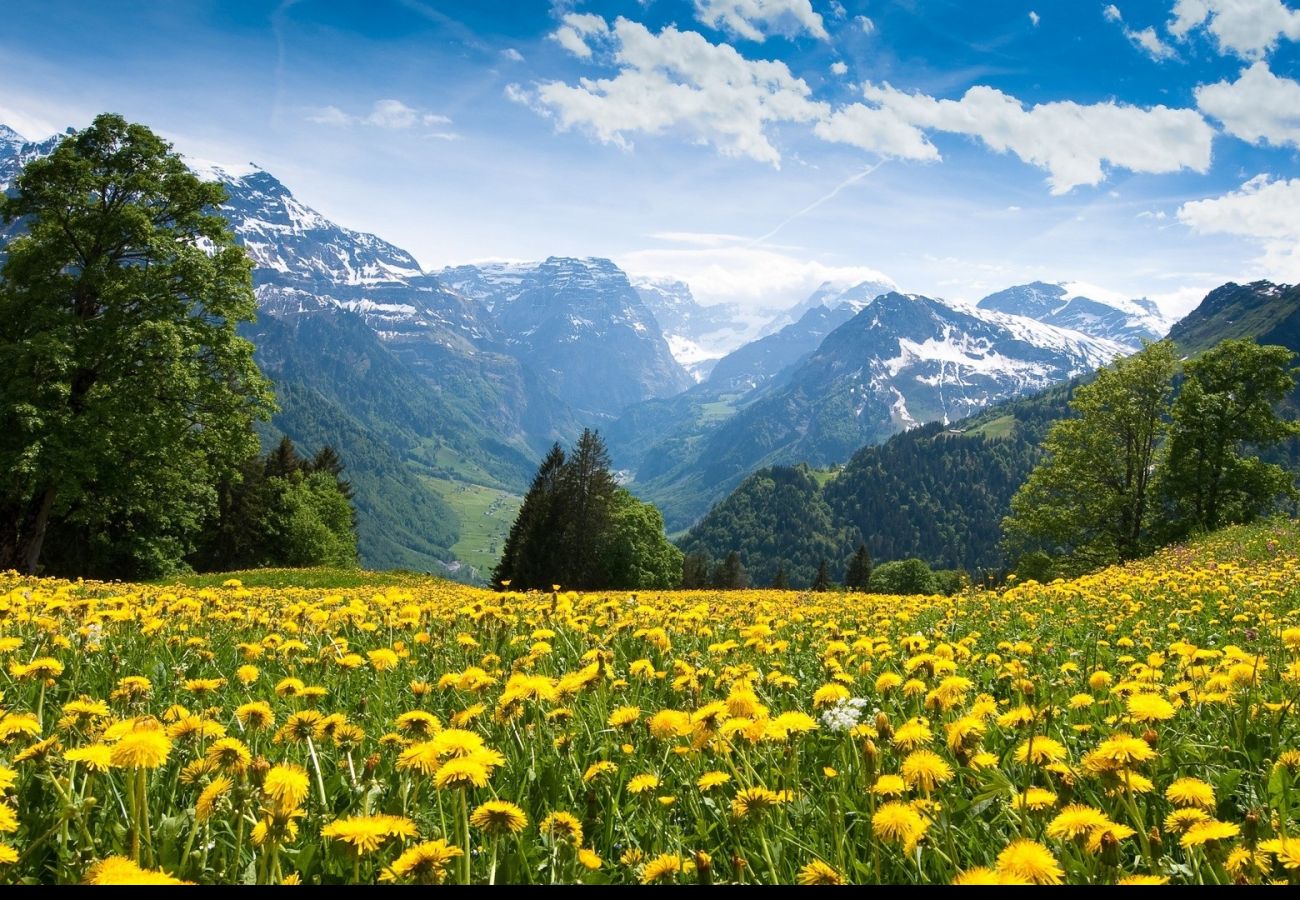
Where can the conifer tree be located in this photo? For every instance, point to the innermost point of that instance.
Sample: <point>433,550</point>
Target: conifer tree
<point>781,581</point>
<point>857,577</point>
<point>823,580</point>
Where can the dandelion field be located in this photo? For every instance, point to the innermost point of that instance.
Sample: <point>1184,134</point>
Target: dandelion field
<point>1136,725</point>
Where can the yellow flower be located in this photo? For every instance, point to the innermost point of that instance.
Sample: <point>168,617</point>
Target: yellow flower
<point>424,863</point>
<point>1076,821</point>
<point>1190,792</point>
<point>818,872</point>
<point>210,796</point>
<point>286,785</point>
<point>985,875</point>
<point>1149,708</point>
<point>142,749</point>
<point>753,801</point>
<point>589,859</point>
<point>925,770</point>
<point>597,769</point>
<point>118,870</point>
<point>1040,751</point>
<point>662,868</point>
<point>710,780</point>
<point>1211,830</point>
<point>639,784</point>
<point>898,823</point>
<point>1031,861</point>
<point>255,716</point>
<point>562,826</point>
<point>230,755</point>
<point>462,772</point>
<point>624,716</point>
<point>95,757</point>
<point>499,817</point>
<point>889,786</point>
<point>366,834</point>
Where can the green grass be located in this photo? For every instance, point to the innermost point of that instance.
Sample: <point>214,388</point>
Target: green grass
<point>824,476</point>
<point>484,515</point>
<point>1000,427</point>
<point>716,411</point>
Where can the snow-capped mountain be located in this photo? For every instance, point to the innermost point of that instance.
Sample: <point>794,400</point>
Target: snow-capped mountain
<point>1128,322</point>
<point>900,361</point>
<point>697,335</point>
<point>829,295</point>
<point>581,325</point>
<point>758,362</point>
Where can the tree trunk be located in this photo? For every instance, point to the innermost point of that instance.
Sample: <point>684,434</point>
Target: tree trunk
<point>30,544</point>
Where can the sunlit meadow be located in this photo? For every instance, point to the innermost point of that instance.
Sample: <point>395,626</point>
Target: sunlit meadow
<point>1136,725</point>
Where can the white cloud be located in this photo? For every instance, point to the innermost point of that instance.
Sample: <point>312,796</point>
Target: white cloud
<point>389,114</point>
<point>837,10</point>
<point>839,67</point>
<point>576,28</point>
<point>865,24</point>
<point>1034,18</point>
<point>754,20</point>
<point>1146,40</point>
<point>1257,107</point>
<point>512,54</point>
<point>1072,142</point>
<point>1247,28</point>
<point>1263,210</point>
<point>755,277</point>
<point>678,81</point>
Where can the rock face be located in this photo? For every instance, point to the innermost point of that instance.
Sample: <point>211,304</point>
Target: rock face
<point>697,335</point>
<point>581,325</point>
<point>1127,322</point>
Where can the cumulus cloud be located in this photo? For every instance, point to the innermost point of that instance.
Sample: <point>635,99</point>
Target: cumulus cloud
<point>1263,210</point>
<point>390,114</point>
<point>1034,18</point>
<point>1257,107</point>
<point>675,81</point>
<point>865,24</point>
<point>757,277</point>
<point>576,29</point>
<point>839,67</point>
<point>754,20</point>
<point>1146,40</point>
<point>1073,142</point>
<point>1246,28</point>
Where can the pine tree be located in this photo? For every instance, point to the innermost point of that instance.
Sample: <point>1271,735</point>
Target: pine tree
<point>532,535</point>
<point>780,582</point>
<point>823,580</point>
<point>730,575</point>
<point>327,460</point>
<point>857,577</point>
<point>586,496</point>
<point>283,461</point>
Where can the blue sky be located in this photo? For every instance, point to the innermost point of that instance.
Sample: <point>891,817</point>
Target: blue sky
<point>751,147</point>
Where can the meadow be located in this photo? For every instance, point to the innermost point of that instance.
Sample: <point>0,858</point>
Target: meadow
<point>1136,725</point>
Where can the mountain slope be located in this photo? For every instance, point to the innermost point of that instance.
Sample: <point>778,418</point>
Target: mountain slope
<point>697,335</point>
<point>940,492</point>
<point>901,361</point>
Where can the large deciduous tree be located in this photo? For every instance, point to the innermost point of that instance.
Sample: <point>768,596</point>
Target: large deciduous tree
<point>1091,499</point>
<point>127,394</point>
<point>1224,413</point>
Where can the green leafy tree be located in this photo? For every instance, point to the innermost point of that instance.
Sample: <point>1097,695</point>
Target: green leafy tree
<point>1226,408</point>
<point>636,554</point>
<point>696,567</point>
<point>857,576</point>
<point>903,576</point>
<point>822,580</point>
<point>1091,498</point>
<point>127,395</point>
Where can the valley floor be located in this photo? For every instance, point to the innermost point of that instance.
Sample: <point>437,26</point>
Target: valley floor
<point>1135,725</point>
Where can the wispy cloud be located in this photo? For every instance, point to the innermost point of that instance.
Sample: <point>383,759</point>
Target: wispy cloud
<point>393,115</point>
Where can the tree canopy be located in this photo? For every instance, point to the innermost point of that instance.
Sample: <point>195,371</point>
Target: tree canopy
<point>128,396</point>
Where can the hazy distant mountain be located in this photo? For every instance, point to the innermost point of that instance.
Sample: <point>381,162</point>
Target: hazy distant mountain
<point>698,335</point>
<point>830,294</point>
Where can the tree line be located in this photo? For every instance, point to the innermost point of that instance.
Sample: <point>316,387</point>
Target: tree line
<point>130,403</point>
